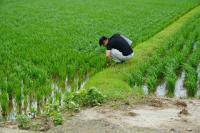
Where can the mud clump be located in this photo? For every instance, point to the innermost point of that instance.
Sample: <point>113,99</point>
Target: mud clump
<point>181,104</point>
<point>132,114</point>
<point>184,112</point>
<point>183,115</point>
<point>172,130</point>
<point>156,103</point>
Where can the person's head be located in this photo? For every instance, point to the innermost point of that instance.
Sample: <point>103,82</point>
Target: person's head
<point>103,41</point>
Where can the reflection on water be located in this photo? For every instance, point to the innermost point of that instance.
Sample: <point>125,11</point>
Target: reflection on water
<point>67,85</point>
<point>12,109</point>
<point>29,104</point>
<point>145,90</point>
<point>85,80</point>
<point>161,89</point>
<point>180,91</point>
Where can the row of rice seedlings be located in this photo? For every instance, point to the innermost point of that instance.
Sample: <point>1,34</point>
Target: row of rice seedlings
<point>4,97</point>
<point>32,92</point>
<point>137,77</point>
<point>175,65</point>
<point>190,68</point>
<point>154,68</point>
<point>31,68</point>
<point>163,66</point>
<point>34,79</point>
<point>172,63</point>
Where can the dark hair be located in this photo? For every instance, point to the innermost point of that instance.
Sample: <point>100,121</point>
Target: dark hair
<point>102,39</point>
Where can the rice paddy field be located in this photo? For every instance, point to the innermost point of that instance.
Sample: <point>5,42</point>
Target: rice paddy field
<point>48,48</point>
<point>175,67</point>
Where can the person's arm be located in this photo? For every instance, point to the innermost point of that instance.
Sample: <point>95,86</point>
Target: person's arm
<point>108,57</point>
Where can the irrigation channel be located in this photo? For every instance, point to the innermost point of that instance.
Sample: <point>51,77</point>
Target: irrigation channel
<point>31,107</point>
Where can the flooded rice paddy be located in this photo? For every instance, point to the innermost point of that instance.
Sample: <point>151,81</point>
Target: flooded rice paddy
<point>31,107</point>
<point>179,91</point>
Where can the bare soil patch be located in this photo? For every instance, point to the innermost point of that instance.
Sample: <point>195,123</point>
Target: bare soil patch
<point>154,115</point>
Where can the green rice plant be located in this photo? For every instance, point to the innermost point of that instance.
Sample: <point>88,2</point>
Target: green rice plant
<point>4,99</point>
<point>191,75</point>
<point>170,78</point>
<point>18,100</point>
<point>151,82</point>
<point>13,82</point>
<point>191,80</point>
<point>4,103</point>
<point>154,75</point>
<point>39,96</point>
<point>171,66</point>
<point>136,78</point>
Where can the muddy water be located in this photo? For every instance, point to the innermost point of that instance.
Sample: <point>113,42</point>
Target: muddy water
<point>198,82</point>
<point>161,89</point>
<point>180,91</point>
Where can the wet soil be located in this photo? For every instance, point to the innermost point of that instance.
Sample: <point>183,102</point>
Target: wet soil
<point>154,115</point>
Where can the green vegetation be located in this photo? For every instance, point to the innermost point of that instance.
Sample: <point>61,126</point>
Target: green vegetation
<point>57,118</point>
<point>54,112</point>
<point>73,101</point>
<point>191,69</point>
<point>155,60</point>
<point>55,42</point>
<point>180,53</point>
<point>23,121</point>
<point>89,97</point>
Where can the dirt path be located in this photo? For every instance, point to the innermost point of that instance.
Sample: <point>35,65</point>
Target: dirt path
<point>7,130</point>
<point>157,116</point>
